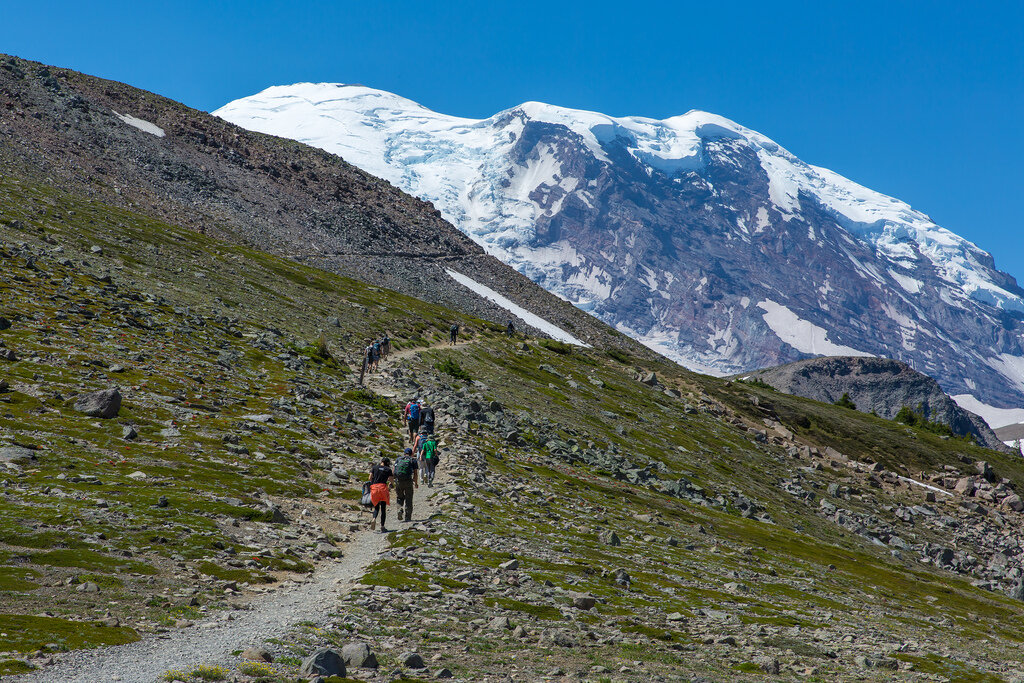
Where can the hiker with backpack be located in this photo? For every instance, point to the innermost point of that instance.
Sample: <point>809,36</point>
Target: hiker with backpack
<point>412,418</point>
<point>378,350</point>
<point>426,417</point>
<point>406,468</point>
<point>380,493</point>
<point>510,330</point>
<point>385,345</point>
<point>429,453</point>
<point>453,333</point>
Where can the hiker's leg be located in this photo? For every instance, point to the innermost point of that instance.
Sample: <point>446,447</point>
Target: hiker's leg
<point>383,515</point>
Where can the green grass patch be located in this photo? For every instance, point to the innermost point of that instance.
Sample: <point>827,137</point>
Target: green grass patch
<point>91,560</point>
<point>26,634</point>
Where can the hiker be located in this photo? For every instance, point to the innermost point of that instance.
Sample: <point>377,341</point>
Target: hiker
<point>430,456</point>
<point>380,494</point>
<point>377,350</point>
<point>426,417</point>
<point>385,345</point>
<point>453,333</point>
<point>417,449</point>
<point>405,481</point>
<point>412,417</point>
<point>511,329</point>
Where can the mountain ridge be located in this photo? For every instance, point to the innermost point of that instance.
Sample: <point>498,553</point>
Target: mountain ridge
<point>674,231</point>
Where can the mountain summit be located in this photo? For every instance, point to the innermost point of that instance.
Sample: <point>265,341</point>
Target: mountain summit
<point>702,238</point>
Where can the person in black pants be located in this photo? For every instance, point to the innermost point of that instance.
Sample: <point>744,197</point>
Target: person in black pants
<point>453,333</point>
<point>380,493</point>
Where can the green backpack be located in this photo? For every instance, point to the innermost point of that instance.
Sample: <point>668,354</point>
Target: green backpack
<point>404,468</point>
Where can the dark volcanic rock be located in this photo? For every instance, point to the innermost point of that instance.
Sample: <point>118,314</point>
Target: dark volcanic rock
<point>881,385</point>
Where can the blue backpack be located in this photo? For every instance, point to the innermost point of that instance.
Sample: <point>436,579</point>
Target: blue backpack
<point>414,411</point>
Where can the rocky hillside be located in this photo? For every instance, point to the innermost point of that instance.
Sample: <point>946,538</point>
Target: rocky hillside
<point>139,151</point>
<point>698,236</point>
<point>877,385</point>
<point>183,437</point>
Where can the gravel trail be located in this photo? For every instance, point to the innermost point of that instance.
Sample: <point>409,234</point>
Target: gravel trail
<point>213,642</point>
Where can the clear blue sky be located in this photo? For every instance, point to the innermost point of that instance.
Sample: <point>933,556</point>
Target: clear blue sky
<point>920,100</point>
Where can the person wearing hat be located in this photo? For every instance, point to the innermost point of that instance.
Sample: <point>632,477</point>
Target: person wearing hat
<point>405,481</point>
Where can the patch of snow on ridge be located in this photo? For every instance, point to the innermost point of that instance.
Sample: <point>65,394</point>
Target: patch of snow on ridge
<point>802,335</point>
<point>530,319</point>
<point>141,124</point>
<point>995,417</point>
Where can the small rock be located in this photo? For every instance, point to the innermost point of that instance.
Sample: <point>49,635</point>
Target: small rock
<point>137,476</point>
<point>5,324</point>
<point>676,616</point>
<point>323,662</point>
<point>96,249</point>
<point>445,673</point>
<point>8,354</point>
<point>609,538</point>
<point>510,565</point>
<point>129,433</point>
<point>88,587</point>
<point>162,502</point>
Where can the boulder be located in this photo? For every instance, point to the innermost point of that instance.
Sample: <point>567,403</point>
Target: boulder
<point>499,624</point>
<point>412,660</point>
<point>584,602</point>
<point>8,354</point>
<point>359,656</point>
<point>609,538</point>
<point>323,662</point>
<point>5,324</point>
<point>510,565</point>
<point>16,454</point>
<point>103,404</point>
<point>128,433</point>
<point>1014,502</point>
<point>257,654</point>
<point>650,379</point>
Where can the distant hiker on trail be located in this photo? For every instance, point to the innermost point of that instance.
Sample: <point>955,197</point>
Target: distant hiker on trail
<point>453,333</point>
<point>385,345</point>
<point>426,418</point>
<point>380,494</point>
<point>378,350</point>
<point>405,482</point>
<point>411,414</point>
<point>430,459</point>
<point>417,449</point>
<point>510,330</point>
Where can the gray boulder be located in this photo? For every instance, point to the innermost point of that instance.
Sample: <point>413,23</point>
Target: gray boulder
<point>16,454</point>
<point>323,662</point>
<point>5,324</point>
<point>412,660</point>
<point>359,656</point>
<point>105,404</point>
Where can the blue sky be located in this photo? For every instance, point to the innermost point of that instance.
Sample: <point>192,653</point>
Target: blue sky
<point>920,100</point>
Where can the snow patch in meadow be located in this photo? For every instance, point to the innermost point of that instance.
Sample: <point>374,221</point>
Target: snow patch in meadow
<point>530,319</point>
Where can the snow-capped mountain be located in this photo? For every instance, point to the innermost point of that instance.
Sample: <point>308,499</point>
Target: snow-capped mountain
<point>702,238</point>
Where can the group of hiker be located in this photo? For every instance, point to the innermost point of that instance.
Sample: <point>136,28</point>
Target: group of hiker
<point>375,350</point>
<point>416,465</point>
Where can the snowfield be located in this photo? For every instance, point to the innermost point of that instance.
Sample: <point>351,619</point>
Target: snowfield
<point>534,321</point>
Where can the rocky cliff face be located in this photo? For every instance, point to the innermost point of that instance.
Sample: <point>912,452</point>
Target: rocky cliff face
<point>879,385</point>
<point>111,142</point>
<point>703,239</point>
